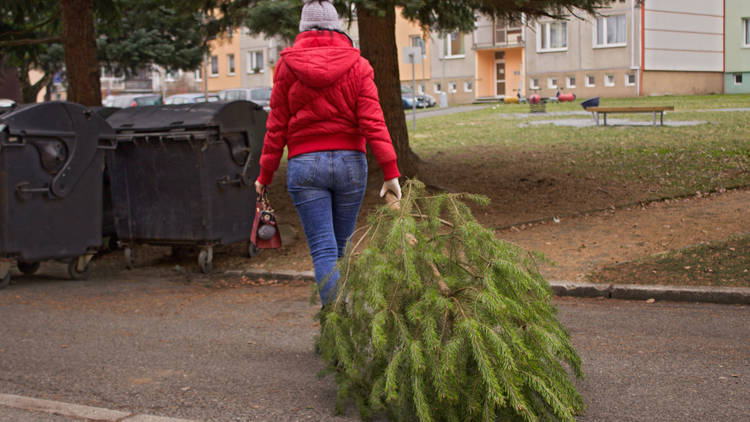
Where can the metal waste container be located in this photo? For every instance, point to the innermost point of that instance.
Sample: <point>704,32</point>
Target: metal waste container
<point>51,162</point>
<point>183,175</point>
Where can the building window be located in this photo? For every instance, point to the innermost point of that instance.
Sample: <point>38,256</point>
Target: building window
<point>468,86</point>
<point>437,88</point>
<point>552,83</point>
<point>738,78</point>
<point>255,61</point>
<point>609,80</point>
<point>418,41</point>
<point>746,25</point>
<point>230,64</point>
<point>454,45</point>
<point>452,87</point>
<point>552,36</point>
<point>570,82</point>
<point>534,83</point>
<point>590,81</point>
<point>611,31</point>
<point>630,79</point>
<point>170,76</point>
<point>420,89</point>
<point>199,75</point>
<point>214,65</point>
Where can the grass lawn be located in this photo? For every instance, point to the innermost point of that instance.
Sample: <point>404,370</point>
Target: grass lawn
<point>724,263</point>
<point>494,152</point>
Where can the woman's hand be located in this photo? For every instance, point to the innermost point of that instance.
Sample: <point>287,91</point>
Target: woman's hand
<point>391,185</point>
<point>259,188</point>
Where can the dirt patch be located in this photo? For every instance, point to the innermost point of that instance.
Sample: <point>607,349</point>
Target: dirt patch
<point>584,244</point>
<point>725,263</point>
<point>521,188</point>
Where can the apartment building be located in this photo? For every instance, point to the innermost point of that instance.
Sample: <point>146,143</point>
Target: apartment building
<point>634,47</point>
<point>239,59</point>
<point>682,47</point>
<point>737,47</point>
<point>499,58</point>
<point>448,62</point>
<point>597,56</point>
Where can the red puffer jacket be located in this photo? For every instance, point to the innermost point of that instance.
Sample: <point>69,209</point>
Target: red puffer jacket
<point>324,98</point>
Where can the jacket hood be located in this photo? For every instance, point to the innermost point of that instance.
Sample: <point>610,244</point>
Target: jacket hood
<point>320,58</point>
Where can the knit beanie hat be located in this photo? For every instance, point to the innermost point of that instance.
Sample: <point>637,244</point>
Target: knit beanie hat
<point>319,14</point>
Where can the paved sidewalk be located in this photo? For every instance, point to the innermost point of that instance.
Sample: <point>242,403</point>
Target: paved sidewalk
<point>166,346</point>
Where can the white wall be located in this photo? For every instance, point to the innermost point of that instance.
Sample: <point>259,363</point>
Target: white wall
<point>684,35</point>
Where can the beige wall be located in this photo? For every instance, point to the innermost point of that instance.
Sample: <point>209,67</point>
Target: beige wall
<point>514,72</point>
<point>620,88</point>
<point>404,31</point>
<point>682,83</point>
<point>221,47</point>
<point>485,73</point>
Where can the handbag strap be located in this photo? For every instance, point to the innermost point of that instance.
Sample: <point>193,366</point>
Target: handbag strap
<point>266,204</point>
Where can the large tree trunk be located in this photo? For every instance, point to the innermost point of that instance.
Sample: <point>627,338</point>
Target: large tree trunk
<point>377,41</point>
<point>79,42</point>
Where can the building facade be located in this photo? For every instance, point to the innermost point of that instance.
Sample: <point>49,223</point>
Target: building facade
<point>634,47</point>
<point>448,62</point>
<point>737,47</point>
<point>592,57</point>
<point>499,57</point>
<point>682,47</point>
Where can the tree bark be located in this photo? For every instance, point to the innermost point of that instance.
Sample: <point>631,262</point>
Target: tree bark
<point>79,42</point>
<point>377,42</point>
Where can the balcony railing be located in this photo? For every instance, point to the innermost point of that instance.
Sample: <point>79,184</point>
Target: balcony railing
<point>494,35</point>
<point>138,84</point>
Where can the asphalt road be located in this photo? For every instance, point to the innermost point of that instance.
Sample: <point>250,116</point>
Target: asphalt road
<point>178,346</point>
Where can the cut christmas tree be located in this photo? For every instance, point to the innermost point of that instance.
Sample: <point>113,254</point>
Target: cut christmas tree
<point>438,320</point>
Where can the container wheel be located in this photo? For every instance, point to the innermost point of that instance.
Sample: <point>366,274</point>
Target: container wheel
<point>75,272</point>
<point>5,281</point>
<point>252,250</point>
<point>206,260</point>
<point>127,253</point>
<point>28,268</point>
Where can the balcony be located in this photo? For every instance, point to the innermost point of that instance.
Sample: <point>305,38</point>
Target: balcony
<point>497,34</point>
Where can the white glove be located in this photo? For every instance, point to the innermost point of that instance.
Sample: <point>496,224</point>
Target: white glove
<point>391,185</point>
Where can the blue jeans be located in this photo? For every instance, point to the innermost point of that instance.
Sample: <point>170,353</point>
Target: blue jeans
<point>327,189</point>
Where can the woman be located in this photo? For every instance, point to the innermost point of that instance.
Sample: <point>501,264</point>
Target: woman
<point>324,108</point>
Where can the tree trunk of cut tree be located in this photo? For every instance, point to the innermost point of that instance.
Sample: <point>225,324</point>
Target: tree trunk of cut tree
<point>79,42</point>
<point>377,41</point>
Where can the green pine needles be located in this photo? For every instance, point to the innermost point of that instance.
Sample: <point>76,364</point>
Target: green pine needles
<point>437,320</point>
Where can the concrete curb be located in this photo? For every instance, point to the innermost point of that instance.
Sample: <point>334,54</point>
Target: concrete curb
<point>723,295</point>
<point>76,411</point>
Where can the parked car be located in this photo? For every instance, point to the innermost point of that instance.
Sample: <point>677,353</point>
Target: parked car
<point>191,98</point>
<point>260,96</point>
<point>132,100</point>
<point>423,100</point>
<point>6,105</point>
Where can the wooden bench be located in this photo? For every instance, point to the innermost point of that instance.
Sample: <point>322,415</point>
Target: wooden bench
<point>605,110</point>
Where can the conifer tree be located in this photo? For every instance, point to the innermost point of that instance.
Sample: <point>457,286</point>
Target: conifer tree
<point>438,320</point>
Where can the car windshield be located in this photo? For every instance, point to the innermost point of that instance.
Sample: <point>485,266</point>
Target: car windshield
<point>260,94</point>
<point>234,95</point>
<point>148,100</point>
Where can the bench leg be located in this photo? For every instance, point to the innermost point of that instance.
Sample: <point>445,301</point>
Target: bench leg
<point>596,117</point>
<point>605,119</point>
<point>662,118</point>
